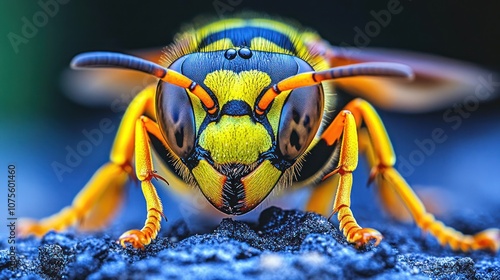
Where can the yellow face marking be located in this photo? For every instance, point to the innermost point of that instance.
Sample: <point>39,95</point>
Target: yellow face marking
<point>228,85</point>
<point>235,139</point>
<point>259,183</point>
<point>210,182</point>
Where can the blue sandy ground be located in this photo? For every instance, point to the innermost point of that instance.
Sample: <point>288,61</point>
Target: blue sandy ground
<point>283,244</point>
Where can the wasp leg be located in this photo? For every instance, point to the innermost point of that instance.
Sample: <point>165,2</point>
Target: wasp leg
<point>98,201</point>
<point>344,127</point>
<point>382,162</point>
<point>105,186</point>
<point>388,197</point>
<point>145,173</point>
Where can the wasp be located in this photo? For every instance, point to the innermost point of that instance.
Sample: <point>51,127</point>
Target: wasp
<point>244,106</point>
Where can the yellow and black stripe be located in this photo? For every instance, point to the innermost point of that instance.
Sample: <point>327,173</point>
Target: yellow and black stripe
<point>258,34</point>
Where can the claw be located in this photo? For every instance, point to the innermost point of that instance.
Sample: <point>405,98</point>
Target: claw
<point>159,177</point>
<point>363,236</point>
<point>134,237</point>
<point>374,172</point>
<point>335,171</point>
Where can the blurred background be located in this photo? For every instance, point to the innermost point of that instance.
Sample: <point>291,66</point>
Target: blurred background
<point>39,123</point>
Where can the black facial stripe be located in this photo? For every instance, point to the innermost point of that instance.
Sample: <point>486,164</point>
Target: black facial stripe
<point>273,156</point>
<point>233,191</point>
<point>236,108</point>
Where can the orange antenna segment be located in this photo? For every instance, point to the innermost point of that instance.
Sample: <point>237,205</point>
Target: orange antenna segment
<point>384,69</point>
<point>118,60</point>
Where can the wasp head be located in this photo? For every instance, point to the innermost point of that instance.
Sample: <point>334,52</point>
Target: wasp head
<point>235,155</point>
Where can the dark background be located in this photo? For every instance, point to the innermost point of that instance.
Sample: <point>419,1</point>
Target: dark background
<point>38,121</point>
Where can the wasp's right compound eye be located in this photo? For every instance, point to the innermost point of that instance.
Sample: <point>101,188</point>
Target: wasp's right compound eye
<point>176,118</point>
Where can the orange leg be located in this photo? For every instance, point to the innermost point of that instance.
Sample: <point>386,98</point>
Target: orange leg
<point>343,128</point>
<point>145,173</point>
<point>382,159</point>
<point>388,196</point>
<point>96,203</point>
<point>106,186</point>
<point>375,143</point>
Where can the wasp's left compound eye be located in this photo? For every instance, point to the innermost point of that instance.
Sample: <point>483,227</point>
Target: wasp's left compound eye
<point>300,120</point>
<point>176,118</point>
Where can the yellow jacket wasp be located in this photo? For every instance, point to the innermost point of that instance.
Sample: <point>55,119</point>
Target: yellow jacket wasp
<point>240,106</point>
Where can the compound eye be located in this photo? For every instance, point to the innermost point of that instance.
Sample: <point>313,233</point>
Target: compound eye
<point>176,118</point>
<point>300,120</point>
